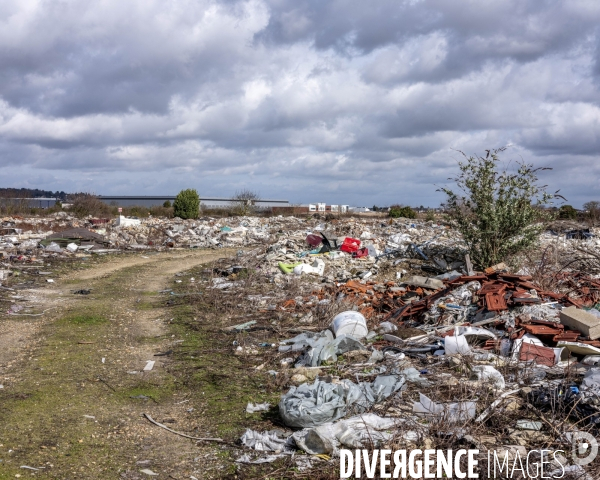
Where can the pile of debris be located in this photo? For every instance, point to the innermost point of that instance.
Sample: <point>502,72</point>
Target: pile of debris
<point>405,357</point>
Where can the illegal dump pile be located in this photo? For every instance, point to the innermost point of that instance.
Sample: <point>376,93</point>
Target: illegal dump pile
<point>375,334</point>
<point>62,234</point>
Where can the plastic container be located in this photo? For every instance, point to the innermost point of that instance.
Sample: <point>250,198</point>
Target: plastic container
<point>350,323</point>
<point>350,245</point>
<point>457,345</point>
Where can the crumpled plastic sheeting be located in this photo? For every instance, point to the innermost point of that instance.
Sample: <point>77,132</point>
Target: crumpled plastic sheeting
<point>487,373</point>
<point>323,347</point>
<point>451,412</point>
<point>310,405</point>
<point>591,381</point>
<point>412,375</point>
<point>382,387</point>
<point>376,356</point>
<point>354,432</point>
<point>266,442</point>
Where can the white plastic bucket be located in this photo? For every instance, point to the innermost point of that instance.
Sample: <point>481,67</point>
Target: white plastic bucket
<point>350,323</point>
<point>457,345</point>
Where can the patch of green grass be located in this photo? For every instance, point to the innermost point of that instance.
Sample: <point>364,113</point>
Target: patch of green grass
<point>85,319</point>
<point>153,391</point>
<point>205,364</point>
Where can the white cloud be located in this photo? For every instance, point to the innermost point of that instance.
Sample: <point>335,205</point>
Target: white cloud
<point>361,104</point>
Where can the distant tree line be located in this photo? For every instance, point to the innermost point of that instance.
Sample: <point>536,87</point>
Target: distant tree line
<point>32,193</point>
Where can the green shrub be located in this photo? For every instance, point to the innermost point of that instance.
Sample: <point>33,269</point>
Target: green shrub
<point>397,211</point>
<point>498,213</point>
<point>567,212</point>
<point>187,204</point>
<point>167,204</point>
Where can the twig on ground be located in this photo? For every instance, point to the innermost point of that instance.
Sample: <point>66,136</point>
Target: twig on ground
<point>106,383</point>
<point>200,439</point>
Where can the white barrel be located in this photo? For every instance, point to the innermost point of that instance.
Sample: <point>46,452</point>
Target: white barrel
<point>350,323</point>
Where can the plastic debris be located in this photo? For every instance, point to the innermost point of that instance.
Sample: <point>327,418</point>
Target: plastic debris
<point>314,404</point>
<point>258,407</point>
<point>266,442</point>
<point>149,365</point>
<point>450,412</point>
<point>354,432</point>
<point>350,323</point>
<point>488,374</point>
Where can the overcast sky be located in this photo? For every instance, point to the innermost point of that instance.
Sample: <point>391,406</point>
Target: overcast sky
<point>342,101</point>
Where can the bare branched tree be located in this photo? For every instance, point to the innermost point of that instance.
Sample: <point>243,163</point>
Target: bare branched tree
<point>592,212</point>
<point>244,202</point>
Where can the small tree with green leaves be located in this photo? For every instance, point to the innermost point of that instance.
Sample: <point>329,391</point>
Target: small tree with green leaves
<point>567,212</point>
<point>167,204</point>
<point>499,213</point>
<point>187,204</point>
<point>397,211</point>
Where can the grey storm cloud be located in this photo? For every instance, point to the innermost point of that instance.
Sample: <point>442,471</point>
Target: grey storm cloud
<point>340,101</point>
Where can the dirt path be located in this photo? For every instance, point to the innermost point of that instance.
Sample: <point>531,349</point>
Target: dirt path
<point>74,385</point>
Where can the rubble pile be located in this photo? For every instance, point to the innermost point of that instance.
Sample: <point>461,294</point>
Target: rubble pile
<point>394,331</point>
<point>19,234</point>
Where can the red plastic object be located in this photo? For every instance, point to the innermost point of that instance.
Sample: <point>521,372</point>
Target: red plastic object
<point>350,245</point>
<point>361,252</point>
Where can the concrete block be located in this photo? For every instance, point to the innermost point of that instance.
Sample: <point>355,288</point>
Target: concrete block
<point>577,319</point>
<point>424,282</point>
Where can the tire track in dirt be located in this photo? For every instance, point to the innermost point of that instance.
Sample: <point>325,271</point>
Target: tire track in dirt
<point>136,329</point>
